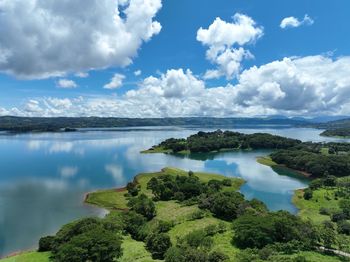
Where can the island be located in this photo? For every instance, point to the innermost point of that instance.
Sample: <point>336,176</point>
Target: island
<point>176,215</point>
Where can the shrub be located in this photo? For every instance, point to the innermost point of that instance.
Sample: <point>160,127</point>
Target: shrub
<point>164,226</point>
<point>133,224</point>
<point>46,243</point>
<point>158,244</point>
<point>344,227</point>
<point>143,206</point>
<point>308,194</point>
<point>133,188</point>
<point>94,245</point>
<point>227,182</point>
<point>216,256</point>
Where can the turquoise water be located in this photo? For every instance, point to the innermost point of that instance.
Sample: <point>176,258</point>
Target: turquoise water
<point>44,177</point>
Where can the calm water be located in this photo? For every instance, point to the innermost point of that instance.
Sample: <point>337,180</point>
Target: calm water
<point>43,177</point>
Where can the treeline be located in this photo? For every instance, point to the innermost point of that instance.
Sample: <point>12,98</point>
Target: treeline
<point>54,124</point>
<point>340,132</point>
<point>218,140</point>
<point>317,159</point>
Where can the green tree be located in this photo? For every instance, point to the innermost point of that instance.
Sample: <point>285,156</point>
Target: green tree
<point>158,244</point>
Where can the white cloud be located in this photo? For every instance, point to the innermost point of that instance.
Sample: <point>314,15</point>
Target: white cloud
<point>53,38</point>
<point>222,38</point>
<point>310,86</point>
<point>291,22</point>
<point>82,74</point>
<point>137,72</point>
<point>66,83</point>
<point>116,81</point>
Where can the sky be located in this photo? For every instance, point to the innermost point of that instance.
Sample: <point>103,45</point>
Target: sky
<point>174,58</point>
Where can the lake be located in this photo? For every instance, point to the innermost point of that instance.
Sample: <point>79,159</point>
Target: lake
<point>44,177</point>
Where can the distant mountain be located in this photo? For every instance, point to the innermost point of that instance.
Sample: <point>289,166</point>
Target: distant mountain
<point>338,124</point>
<point>55,124</point>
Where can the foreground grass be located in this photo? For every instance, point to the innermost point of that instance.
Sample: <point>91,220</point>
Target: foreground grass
<point>29,257</point>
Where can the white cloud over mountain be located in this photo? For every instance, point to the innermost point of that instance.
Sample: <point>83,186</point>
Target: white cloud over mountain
<point>40,39</point>
<point>290,22</point>
<point>224,41</point>
<point>310,85</point>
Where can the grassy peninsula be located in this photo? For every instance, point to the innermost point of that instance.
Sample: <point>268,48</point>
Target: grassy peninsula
<point>175,215</point>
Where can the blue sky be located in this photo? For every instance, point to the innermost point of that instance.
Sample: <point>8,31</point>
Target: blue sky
<point>324,41</point>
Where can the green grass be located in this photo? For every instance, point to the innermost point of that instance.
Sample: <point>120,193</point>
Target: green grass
<point>309,209</point>
<point>266,160</point>
<point>114,199</point>
<point>109,199</point>
<point>222,243</point>
<point>325,151</point>
<point>135,251</point>
<point>156,150</point>
<point>29,257</point>
<point>174,212</point>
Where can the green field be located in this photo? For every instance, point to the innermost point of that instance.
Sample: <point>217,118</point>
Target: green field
<point>29,257</point>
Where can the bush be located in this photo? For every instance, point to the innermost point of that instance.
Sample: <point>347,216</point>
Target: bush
<point>133,224</point>
<point>94,245</point>
<point>143,206</point>
<point>199,214</point>
<point>308,194</point>
<point>164,226</point>
<point>325,211</point>
<point>46,243</point>
<point>344,227</point>
<point>227,182</point>
<point>175,254</point>
<point>216,256</point>
<point>225,205</point>
<point>198,239</point>
<point>158,244</point>
<point>133,188</point>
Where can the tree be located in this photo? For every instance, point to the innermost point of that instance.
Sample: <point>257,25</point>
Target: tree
<point>95,245</point>
<point>158,244</point>
<point>133,224</point>
<point>225,205</point>
<point>46,243</point>
<point>143,206</point>
<point>308,194</point>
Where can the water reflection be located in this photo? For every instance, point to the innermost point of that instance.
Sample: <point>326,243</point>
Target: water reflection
<point>44,177</point>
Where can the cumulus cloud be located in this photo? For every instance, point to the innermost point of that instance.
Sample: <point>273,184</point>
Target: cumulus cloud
<point>82,74</point>
<point>223,38</point>
<point>116,81</point>
<point>291,22</point>
<point>53,38</point>
<point>311,85</point>
<point>137,72</point>
<point>66,83</point>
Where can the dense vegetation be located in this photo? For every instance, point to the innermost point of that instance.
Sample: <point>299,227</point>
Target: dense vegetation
<point>338,132</point>
<point>54,124</point>
<point>201,218</point>
<point>326,202</point>
<point>317,159</point>
<point>219,140</point>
